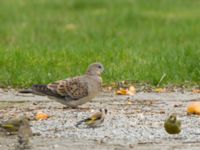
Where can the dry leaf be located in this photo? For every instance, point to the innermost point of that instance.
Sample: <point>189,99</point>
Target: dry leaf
<point>160,90</point>
<point>131,90</point>
<point>196,91</point>
<point>109,88</point>
<point>122,92</point>
<point>178,105</point>
<point>129,103</point>
<point>41,116</point>
<point>162,112</point>
<point>194,108</point>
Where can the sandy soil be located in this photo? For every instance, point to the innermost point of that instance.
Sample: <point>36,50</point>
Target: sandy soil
<point>133,122</point>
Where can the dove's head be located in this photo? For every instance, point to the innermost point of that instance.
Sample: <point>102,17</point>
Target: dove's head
<point>95,69</point>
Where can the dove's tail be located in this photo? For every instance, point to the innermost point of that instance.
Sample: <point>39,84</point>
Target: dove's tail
<point>42,89</point>
<point>26,91</point>
<point>37,89</point>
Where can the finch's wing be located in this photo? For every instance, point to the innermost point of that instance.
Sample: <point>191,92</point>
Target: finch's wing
<point>179,123</point>
<point>95,117</point>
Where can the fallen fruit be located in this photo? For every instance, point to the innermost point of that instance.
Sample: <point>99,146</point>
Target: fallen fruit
<point>41,116</point>
<point>194,108</point>
<point>121,92</point>
<point>130,91</point>
<point>196,91</point>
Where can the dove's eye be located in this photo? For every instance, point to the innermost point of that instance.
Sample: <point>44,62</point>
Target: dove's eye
<point>99,67</point>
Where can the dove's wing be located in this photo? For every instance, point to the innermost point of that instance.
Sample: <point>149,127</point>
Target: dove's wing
<point>71,89</point>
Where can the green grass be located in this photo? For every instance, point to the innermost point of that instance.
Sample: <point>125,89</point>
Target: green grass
<point>45,40</point>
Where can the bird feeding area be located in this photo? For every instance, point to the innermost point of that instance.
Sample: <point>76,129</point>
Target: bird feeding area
<point>131,121</point>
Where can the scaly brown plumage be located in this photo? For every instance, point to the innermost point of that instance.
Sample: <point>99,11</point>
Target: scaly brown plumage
<point>73,91</point>
<point>24,134</point>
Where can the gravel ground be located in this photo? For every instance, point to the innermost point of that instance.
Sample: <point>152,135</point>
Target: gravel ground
<point>132,122</point>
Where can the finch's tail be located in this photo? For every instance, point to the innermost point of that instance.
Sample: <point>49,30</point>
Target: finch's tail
<point>20,140</point>
<point>80,122</point>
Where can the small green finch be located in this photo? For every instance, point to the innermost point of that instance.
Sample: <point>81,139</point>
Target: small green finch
<point>11,125</point>
<point>172,125</point>
<point>24,133</point>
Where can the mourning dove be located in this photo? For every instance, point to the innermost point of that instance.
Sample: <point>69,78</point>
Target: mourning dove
<point>172,125</point>
<point>73,91</point>
<point>24,133</point>
<point>94,120</point>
